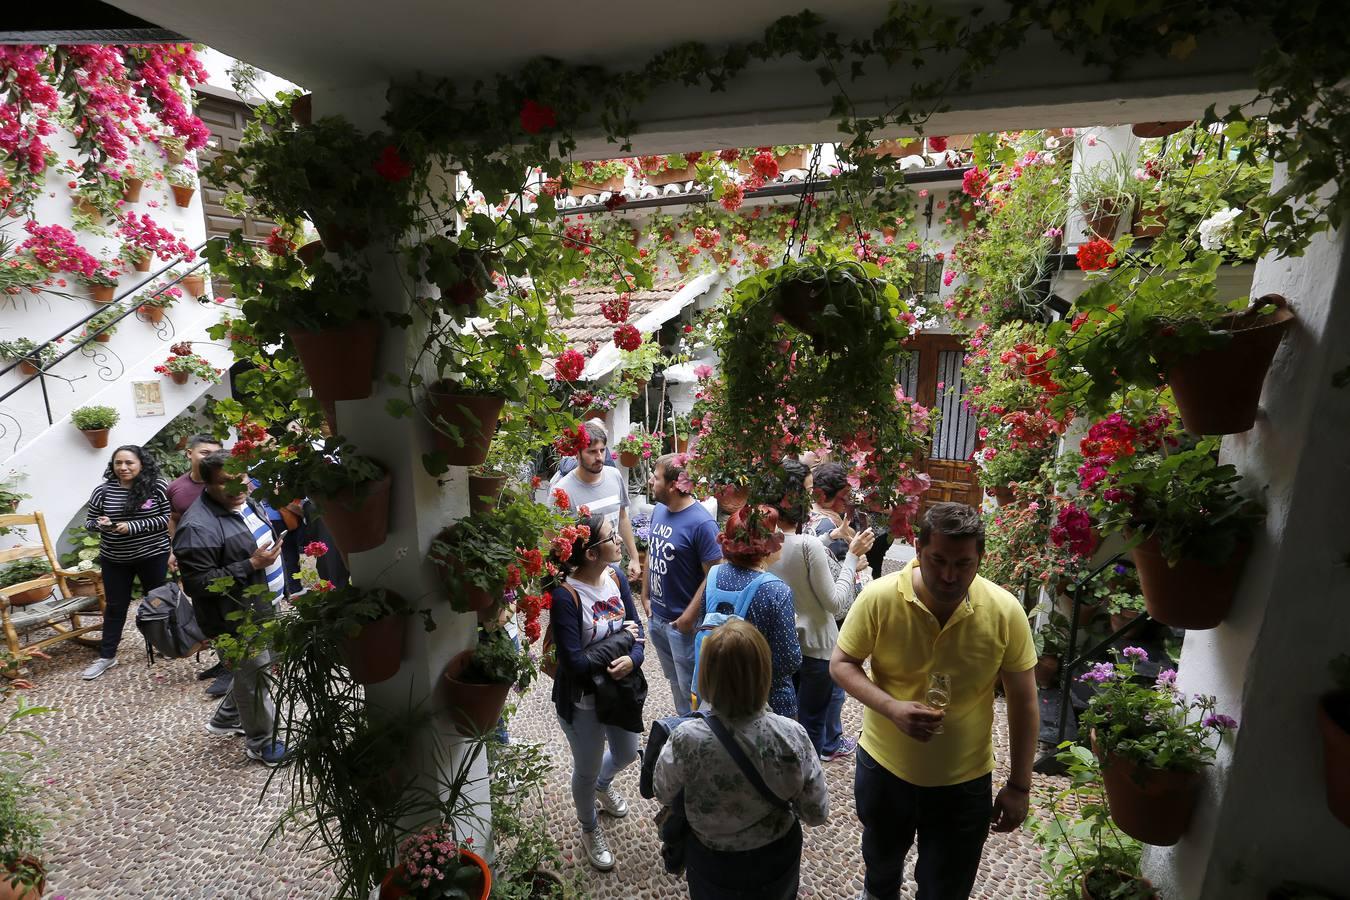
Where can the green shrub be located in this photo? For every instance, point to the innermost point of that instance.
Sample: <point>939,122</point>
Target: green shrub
<point>88,418</point>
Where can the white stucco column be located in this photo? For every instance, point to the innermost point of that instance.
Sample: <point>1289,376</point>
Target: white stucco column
<point>1263,817</point>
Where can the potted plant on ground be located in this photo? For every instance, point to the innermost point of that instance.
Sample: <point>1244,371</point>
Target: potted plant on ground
<point>638,446</point>
<point>1333,719</point>
<point>181,368</point>
<point>1083,854</point>
<point>24,570</point>
<point>102,283</point>
<point>526,857</point>
<point>21,823</point>
<point>32,356</point>
<point>83,557</point>
<point>436,866</point>
<point>94,423</point>
<point>1153,746</point>
<point>183,183</point>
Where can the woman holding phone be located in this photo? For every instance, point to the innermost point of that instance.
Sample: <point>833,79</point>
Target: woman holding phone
<point>130,511</point>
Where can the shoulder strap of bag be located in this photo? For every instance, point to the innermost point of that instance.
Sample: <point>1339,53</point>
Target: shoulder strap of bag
<point>748,593</point>
<point>743,762</point>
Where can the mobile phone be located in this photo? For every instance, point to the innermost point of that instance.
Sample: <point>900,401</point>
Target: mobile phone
<point>281,537</point>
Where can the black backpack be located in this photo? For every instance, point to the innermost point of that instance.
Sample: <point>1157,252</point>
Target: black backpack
<point>671,825</point>
<point>166,619</point>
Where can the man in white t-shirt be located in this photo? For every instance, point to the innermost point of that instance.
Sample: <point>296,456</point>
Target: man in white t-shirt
<point>601,488</point>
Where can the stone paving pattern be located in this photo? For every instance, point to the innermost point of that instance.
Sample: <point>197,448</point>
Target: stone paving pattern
<point>147,804</point>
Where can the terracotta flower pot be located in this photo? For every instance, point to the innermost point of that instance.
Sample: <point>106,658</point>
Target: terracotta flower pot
<point>180,377</point>
<point>1150,805</point>
<point>102,293</point>
<point>1219,390</point>
<point>376,652</point>
<point>596,414</point>
<point>142,264</point>
<point>339,362</point>
<point>672,176</point>
<point>103,337</point>
<point>1191,594</point>
<point>97,437</point>
<point>389,889</point>
<point>1157,129</point>
<point>1104,220</point>
<point>92,212</point>
<point>628,460</point>
<point>967,215</point>
<point>339,238</point>
<point>1120,619</point>
<point>898,148</point>
<point>484,490</point>
<point>845,224</point>
<point>302,109</point>
<point>1333,720</point>
<point>1118,876</point>
<point>681,445</point>
<point>182,195</point>
<point>470,418</point>
<point>32,595</point>
<point>359,521</point>
<point>194,285</point>
<point>83,587</point>
<point>1003,494</point>
<point>474,707</point>
<point>310,252</point>
<point>586,188</point>
<point>131,189</point>
<point>1141,213</point>
<point>27,367</point>
<point>153,314</point>
<point>174,156</point>
<point>731,498</point>
<point>9,891</point>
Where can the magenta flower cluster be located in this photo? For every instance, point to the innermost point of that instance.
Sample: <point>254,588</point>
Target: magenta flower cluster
<point>144,234</point>
<point>56,249</point>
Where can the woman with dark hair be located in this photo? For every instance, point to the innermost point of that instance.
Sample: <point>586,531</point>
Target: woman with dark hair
<point>130,511</point>
<point>751,543</point>
<point>598,690</point>
<point>822,591</point>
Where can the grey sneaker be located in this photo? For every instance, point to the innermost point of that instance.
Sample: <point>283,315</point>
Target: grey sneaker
<point>612,802</point>
<point>230,729</point>
<point>97,668</point>
<point>597,849</point>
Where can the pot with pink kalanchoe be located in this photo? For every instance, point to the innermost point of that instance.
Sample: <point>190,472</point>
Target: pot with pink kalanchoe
<point>1153,743</point>
<point>434,865</point>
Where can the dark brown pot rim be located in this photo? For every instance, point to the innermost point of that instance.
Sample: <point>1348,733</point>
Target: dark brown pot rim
<point>1249,320</point>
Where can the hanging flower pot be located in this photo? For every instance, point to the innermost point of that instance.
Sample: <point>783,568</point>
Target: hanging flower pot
<point>375,653</point>
<point>1099,884</point>
<point>302,109</point>
<point>359,520</point>
<point>1333,720</point>
<point>484,491</point>
<point>801,303</point>
<point>339,362</point>
<point>97,437</point>
<point>1192,594</point>
<point>1150,805</point>
<point>195,285</point>
<point>1157,129</point>
<point>1218,391</point>
<point>1139,230</point>
<point>1103,218</point>
<point>102,293</point>
<point>311,252</point>
<point>89,210</point>
<point>469,419</point>
<point>152,314</point>
<point>103,337</point>
<point>628,460</point>
<point>182,195</point>
<point>731,497</point>
<point>474,707</point>
<point>681,444</point>
<point>390,889</point>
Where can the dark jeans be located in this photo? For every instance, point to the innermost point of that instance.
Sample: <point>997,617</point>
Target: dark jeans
<point>117,578</point>
<point>952,823</point>
<point>771,872</point>
<point>820,705</point>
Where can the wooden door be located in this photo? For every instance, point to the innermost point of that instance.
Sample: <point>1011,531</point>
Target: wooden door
<point>226,119</point>
<point>932,375</point>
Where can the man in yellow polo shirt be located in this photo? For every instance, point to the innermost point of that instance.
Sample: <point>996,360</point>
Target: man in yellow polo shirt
<point>925,770</point>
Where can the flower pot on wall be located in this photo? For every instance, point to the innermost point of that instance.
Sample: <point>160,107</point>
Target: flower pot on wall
<point>131,189</point>
<point>27,367</point>
<point>89,210</point>
<point>1333,720</point>
<point>1218,391</point>
<point>672,176</point>
<point>152,314</point>
<point>195,285</point>
<point>339,362</point>
<point>102,293</point>
<point>142,264</point>
<point>375,653</point>
<point>310,252</point>
<point>586,188</point>
<point>180,377</point>
<point>1191,594</point>
<point>359,521</point>
<point>484,490</point>
<point>182,195</point>
<point>473,707</point>
<point>97,437</point>
<point>681,444</point>
<point>302,109</point>
<point>1003,494</point>
<point>472,418</point>
<point>1150,805</point>
<point>1104,219</point>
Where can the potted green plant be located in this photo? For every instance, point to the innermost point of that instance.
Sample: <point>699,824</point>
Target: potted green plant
<point>460,269</point>
<point>157,300</point>
<point>510,454</point>
<point>436,866</point>
<point>32,356</point>
<point>1333,720</point>
<point>134,172</point>
<point>476,682</point>
<point>183,184</point>
<point>369,623</point>
<point>592,177</point>
<point>24,570</point>
<point>527,859</point>
<point>1083,854</point>
<point>638,446</point>
<point>1107,191</point>
<point>102,326</point>
<point>637,366</point>
<point>1153,746</point>
<point>10,498</point>
<point>83,558</point>
<point>102,283</point>
<point>181,368</point>
<point>94,423</point>
<point>21,823</point>
<point>680,429</point>
<point>483,555</point>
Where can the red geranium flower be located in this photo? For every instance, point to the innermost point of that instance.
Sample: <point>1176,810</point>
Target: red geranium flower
<point>536,117</point>
<point>627,337</point>
<point>570,365</point>
<point>561,500</point>
<point>316,548</point>
<point>937,144</point>
<point>1095,254</point>
<point>391,166</point>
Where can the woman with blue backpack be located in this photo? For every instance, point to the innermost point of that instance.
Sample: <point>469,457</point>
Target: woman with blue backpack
<point>598,688</point>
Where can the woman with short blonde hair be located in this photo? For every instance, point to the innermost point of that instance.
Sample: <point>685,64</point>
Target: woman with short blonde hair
<point>746,839</point>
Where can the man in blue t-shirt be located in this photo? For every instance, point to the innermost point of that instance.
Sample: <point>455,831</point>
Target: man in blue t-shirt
<point>682,548</point>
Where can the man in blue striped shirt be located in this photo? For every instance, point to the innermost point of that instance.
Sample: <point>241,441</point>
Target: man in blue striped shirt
<point>225,534</point>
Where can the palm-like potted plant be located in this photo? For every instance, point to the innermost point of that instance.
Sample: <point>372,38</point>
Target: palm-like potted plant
<point>94,423</point>
<point>1153,746</point>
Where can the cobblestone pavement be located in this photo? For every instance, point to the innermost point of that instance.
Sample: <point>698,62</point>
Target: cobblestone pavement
<point>148,804</point>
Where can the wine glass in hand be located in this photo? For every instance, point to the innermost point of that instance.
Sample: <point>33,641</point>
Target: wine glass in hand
<point>939,694</point>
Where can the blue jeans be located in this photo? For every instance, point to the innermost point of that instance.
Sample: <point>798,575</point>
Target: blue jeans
<point>951,822</point>
<point>593,765</point>
<point>820,705</point>
<point>676,652</point>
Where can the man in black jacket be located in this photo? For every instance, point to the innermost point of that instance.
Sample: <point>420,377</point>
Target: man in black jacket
<point>224,534</point>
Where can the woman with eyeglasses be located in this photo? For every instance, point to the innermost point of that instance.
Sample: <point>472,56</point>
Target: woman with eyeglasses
<point>598,690</point>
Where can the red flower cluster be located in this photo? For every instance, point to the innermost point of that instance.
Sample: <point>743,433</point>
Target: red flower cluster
<point>532,561</point>
<point>615,309</point>
<point>182,348</point>
<point>733,195</point>
<point>562,544</point>
<point>1095,255</point>
<point>707,238</point>
<point>975,182</point>
<point>316,549</point>
<point>536,117</point>
<point>570,443</point>
<point>937,144</point>
<point>764,164</point>
<point>569,365</point>
<point>1073,528</point>
<point>730,154</point>
<point>561,500</point>
<point>250,438</point>
<point>577,236</point>
<point>390,166</point>
<point>627,337</point>
<point>278,244</point>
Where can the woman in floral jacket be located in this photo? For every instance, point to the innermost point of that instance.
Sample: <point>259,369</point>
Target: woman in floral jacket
<point>745,844</point>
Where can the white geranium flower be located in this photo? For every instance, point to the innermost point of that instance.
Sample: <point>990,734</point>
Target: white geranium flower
<point>1214,229</point>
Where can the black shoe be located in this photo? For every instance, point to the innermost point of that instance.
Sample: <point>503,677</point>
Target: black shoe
<point>221,686</point>
<point>214,672</point>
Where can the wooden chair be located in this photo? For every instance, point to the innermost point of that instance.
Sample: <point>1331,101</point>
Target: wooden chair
<point>62,611</point>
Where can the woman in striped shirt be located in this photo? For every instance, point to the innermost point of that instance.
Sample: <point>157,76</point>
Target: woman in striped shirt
<point>130,511</point>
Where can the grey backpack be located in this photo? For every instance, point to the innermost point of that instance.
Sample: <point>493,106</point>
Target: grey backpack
<point>166,619</point>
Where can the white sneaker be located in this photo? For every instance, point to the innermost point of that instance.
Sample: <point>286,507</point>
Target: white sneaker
<point>612,802</point>
<point>597,849</point>
<point>97,668</point>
